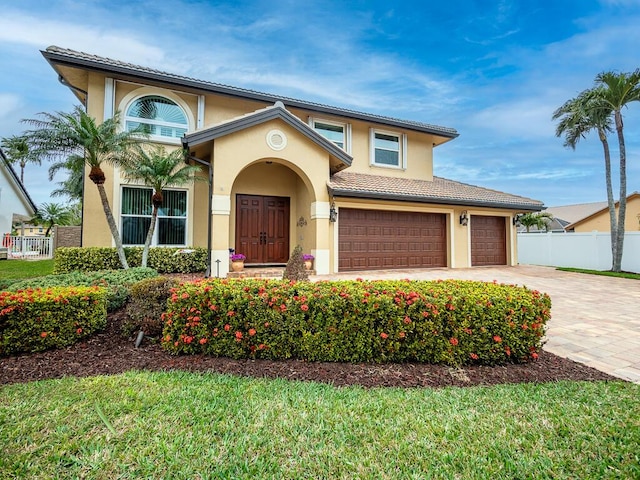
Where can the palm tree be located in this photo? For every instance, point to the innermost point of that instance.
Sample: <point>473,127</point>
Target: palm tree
<point>61,135</point>
<point>593,109</point>
<point>72,186</point>
<point>18,151</point>
<point>616,91</point>
<point>539,220</point>
<point>578,117</point>
<point>50,214</point>
<point>157,169</point>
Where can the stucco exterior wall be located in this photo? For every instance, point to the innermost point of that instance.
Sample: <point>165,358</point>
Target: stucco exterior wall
<point>11,199</point>
<point>601,222</point>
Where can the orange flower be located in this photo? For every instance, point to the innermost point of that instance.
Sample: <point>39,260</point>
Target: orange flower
<point>239,335</point>
<point>43,334</point>
<point>304,307</point>
<point>453,341</point>
<point>534,355</point>
<point>79,331</point>
<point>407,320</point>
<point>252,332</point>
<point>474,356</point>
<point>227,327</point>
<point>401,335</point>
<point>384,336</point>
<point>497,339</point>
<point>203,341</point>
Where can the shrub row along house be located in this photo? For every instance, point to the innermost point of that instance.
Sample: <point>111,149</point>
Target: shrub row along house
<point>354,189</point>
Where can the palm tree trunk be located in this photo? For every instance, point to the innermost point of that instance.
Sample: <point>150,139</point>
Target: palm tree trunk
<point>613,228</point>
<point>622,209</point>
<point>147,242</point>
<point>112,225</point>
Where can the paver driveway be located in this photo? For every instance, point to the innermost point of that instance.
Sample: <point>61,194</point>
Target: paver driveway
<point>595,319</point>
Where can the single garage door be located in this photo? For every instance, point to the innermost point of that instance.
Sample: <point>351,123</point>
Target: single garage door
<point>376,239</point>
<point>488,241</point>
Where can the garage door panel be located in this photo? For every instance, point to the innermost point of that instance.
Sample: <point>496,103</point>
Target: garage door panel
<point>488,241</point>
<point>392,240</point>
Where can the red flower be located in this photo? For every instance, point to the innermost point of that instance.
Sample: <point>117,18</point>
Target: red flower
<point>534,355</point>
<point>79,331</point>
<point>261,346</point>
<point>384,336</point>
<point>185,295</point>
<point>401,335</point>
<point>474,356</point>
<point>507,350</point>
<point>227,327</point>
<point>252,332</point>
<point>230,313</point>
<point>304,307</point>
<point>203,341</point>
<point>407,320</point>
<point>43,334</point>
<point>283,308</point>
<point>497,339</point>
<point>453,341</point>
<point>239,335</point>
<point>266,324</point>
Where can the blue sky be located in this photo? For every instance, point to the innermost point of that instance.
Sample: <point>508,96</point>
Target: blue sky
<point>494,70</point>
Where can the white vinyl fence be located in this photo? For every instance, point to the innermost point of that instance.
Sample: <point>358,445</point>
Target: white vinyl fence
<point>32,248</point>
<point>579,250</point>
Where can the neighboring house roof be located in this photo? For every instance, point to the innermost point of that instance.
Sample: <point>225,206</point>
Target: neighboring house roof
<point>600,211</point>
<point>440,190</point>
<point>16,180</point>
<point>71,58</point>
<point>272,112</point>
<point>572,213</point>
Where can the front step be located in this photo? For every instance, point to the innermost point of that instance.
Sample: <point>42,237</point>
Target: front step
<point>261,272</point>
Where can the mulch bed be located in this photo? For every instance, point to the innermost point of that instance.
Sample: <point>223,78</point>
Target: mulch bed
<point>110,353</point>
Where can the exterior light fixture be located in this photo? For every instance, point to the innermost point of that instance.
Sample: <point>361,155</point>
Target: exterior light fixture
<point>516,219</point>
<point>464,218</point>
<point>333,213</point>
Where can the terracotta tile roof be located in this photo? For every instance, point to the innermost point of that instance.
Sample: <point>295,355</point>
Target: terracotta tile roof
<point>55,55</point>
<point>440,190</point>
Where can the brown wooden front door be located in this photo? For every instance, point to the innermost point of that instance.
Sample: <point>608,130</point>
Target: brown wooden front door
<point>262,228</point>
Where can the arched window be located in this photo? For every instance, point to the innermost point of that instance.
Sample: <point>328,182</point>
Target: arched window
<point>157,116</point>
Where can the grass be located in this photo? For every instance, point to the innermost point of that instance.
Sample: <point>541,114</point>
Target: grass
<point>185,425</point>
<point>607,273</point>
<point>20,269</point>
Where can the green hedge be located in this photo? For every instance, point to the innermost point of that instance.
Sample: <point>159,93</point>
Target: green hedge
<point>116,282</point>
<point>162,259</point>
<point>40,319</point>
<point>445,322</point>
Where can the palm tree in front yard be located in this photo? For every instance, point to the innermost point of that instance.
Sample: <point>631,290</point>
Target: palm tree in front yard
<point>19,151</point>
<point>62,135</point>
<point>539,220</point>
<point>156,168</point>
<point>50,214</point>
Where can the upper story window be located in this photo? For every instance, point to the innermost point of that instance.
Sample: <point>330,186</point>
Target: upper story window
<point>388,149</point>
<point>158,116</point>
<point>338,133</point>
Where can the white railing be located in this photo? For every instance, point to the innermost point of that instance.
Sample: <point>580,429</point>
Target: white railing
<point>32,248</point>
<point>578,250</point>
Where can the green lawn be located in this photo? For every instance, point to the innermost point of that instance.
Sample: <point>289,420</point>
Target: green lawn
<point>607,273</point>
<point>19,269</point>
<point>184,425</point>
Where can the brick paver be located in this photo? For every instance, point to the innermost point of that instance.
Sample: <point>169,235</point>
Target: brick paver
<point>595,319</point>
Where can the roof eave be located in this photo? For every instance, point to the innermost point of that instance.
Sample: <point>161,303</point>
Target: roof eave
<point>437,200</point>
<point>18,183</point>
<point>57,58</point>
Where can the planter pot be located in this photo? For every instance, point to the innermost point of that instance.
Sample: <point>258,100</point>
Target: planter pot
<point>237,266</point>
<point>308,264</point>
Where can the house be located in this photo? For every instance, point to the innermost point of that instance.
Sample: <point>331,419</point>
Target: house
<point>599,219</point>
<point>356,190</point>
<point>13,197</point>
<point>565,215</point>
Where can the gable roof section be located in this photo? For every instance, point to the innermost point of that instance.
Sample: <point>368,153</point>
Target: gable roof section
<point>14,177</point>
<point>277,111</point>
<point>578,211</point>
<point>72,58</point>
<point>604,209</point>
<point>440,190</point>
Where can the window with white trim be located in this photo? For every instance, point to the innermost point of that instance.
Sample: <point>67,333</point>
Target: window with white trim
<point>157,116</point>
<point>338,133</point>
<point>388,149</point>
<point>171,225</point>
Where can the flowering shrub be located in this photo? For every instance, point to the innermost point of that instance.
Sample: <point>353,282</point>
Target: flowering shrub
<point>307,257</point>
<point>445,322</point>
<point>33,320</point>
<point>238,257</point>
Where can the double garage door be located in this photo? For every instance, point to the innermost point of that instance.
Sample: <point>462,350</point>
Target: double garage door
<point>377,239</point>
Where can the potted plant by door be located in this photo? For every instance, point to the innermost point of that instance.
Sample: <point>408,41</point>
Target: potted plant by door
<point>308,261</point>
<point>237,262</point>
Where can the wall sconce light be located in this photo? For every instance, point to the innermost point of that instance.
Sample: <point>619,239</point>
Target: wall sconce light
<point>516,219</point>
<point>464,218</point>
<point>333,213</point>
<point>302,222</point>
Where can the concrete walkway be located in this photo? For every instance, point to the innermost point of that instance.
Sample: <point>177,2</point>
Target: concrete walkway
<point>595,319</point>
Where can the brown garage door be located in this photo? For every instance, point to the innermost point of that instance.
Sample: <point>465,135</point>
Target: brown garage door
<point>376,239</point>
<point>488,241</point>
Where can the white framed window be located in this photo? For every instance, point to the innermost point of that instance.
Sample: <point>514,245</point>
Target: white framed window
<point>135,217</point>
<point>387,149</point>
<point>338,133</point>
<point>161,118</point>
